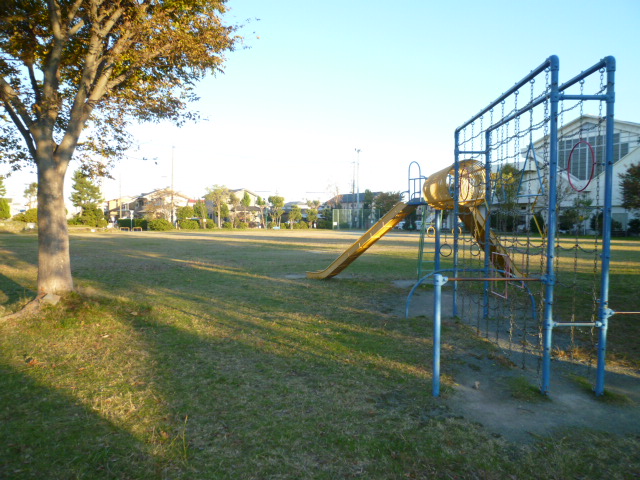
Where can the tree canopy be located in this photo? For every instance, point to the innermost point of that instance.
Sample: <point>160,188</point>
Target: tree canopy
<point>93,66</point>
<point>385,201</point>
<point>630,184</point>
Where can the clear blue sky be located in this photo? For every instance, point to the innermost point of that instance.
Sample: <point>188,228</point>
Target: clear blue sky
<point>394,79</point>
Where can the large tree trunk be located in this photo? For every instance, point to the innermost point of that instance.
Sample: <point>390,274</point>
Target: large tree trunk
<point>54,263</point>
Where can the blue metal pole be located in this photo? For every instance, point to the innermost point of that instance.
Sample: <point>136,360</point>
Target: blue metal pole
<point>438,226</point>
<point>604,311</point>
<point>554,95</point>
<point>438,281</point>
<point>456,212</point>
<point>487,223</point>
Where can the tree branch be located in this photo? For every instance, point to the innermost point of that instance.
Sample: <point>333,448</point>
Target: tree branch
<point>24,131</point>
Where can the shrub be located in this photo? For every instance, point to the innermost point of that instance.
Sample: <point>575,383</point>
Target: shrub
<point>189,224</point>
<point>243,225</point>
<point>227,225</point>
<point>597,223</point>
<point>91,217</point>
<point>5,209</point>
<point>30,216</point>
<point>210,225</point>
<point>301,225</point>
<point>160,225</point>
<point>634,226</point>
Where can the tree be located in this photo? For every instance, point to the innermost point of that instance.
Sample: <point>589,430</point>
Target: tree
<point>312,213</point>
<point>31,194</point>
<point>234,201</point>
<point>630,186</point>
<point>295,215</point>
<point>277,208</point>
<point>506,183</point>
<point>262,205</point>
<point>86,194</point>
<point>5,209</point>
<point>200,211</point>
<point>368,199</point>
<point>185,213</point>
<point>218,195</point>
<point>385,201</point>
<point>246,203</point>
<point>68,65</point>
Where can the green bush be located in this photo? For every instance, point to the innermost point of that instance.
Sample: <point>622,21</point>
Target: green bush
<point>300,225</point>
<point>634,226</point>
<point>160,225</point>
<point>210,225</point>
<point>91,217</point>
<point>242,225</point>
<point>189,224</point>
<point>30,216</point>
<point>5,209</point>
<point>227,225</point>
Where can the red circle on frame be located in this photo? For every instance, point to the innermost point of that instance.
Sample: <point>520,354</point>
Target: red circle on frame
<point>593,165</point>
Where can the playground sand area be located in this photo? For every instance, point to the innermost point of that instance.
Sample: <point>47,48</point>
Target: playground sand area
<point>483,388</point>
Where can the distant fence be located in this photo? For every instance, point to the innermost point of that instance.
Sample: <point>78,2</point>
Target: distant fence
<point>354,218</point>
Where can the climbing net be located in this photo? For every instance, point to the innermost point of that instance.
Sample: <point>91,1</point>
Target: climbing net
<point>533,229</point>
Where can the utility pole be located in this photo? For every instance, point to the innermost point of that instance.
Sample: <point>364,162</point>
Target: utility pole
<point>173,148</point>
<point>358,177</point>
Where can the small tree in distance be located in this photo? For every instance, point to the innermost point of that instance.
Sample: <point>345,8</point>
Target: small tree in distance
<point>385,201</point>
<point>295,215</point>
<point>218,195</point>
<point>277,208</point>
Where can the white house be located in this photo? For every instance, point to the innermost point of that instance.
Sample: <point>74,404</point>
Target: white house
<point>581,153</point>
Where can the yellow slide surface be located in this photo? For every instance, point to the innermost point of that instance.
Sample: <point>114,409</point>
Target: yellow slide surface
<point>475,220</point>
<point>371,236</point>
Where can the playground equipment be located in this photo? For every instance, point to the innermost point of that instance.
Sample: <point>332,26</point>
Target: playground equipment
<point>371,236</point>
<point>518,168</point>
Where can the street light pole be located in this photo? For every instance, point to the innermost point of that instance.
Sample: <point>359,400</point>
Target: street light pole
<point>173,148</point>
<point>358,177</point>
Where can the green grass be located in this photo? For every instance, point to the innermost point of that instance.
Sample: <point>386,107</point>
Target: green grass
<point>203,355</point>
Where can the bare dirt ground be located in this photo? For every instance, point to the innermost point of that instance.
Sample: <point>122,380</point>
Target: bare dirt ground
<point>482,392</point>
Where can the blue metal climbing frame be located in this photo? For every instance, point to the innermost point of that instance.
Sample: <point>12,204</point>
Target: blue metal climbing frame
<point>493,137</point>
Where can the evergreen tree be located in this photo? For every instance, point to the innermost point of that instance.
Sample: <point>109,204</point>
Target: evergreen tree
<point>86,195</point>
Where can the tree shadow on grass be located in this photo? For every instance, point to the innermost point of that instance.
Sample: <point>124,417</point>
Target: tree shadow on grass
<point>47,434</point>
<point>12,293</point>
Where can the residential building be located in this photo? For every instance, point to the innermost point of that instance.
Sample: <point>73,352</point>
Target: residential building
<point>159,203</point>
<point>581,154</point>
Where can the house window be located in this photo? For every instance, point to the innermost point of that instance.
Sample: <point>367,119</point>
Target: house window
<point>581,160</point>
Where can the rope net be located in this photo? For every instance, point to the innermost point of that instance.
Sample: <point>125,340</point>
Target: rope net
<point>498,199</point>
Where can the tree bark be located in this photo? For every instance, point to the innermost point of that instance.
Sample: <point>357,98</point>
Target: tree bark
<point>54,263</point>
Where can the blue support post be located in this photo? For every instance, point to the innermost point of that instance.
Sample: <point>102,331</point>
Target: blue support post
<point>604,311</point>
<point>438,226</point>
<point>456,212</point>
<point>554,96</point>
<point>487,225</point>
<point>438,281</point>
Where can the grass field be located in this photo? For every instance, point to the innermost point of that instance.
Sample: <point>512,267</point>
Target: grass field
<point>210,356</point>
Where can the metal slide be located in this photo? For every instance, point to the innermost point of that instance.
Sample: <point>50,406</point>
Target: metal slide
<point>474,219</point>
<point>371,236</point>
